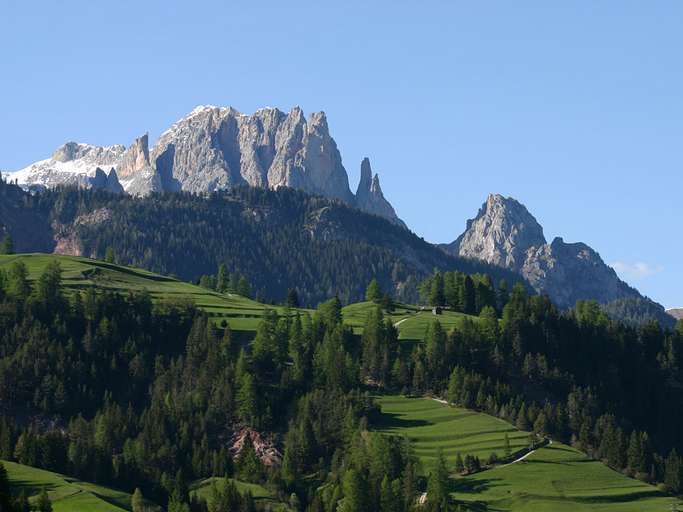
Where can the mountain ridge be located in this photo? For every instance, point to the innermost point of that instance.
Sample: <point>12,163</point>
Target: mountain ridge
<point>504,233</point>
<point>215,148</point>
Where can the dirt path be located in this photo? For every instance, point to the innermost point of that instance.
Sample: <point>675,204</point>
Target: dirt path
<point>406,318</point>
<point>550,441</point>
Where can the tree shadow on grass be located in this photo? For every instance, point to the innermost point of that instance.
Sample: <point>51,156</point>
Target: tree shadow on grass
<point>393,420</point>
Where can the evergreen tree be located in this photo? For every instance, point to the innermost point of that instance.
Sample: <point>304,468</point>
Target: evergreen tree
<point>222,279</point>
<point>109,255</point>
<point>459,464</point>
<point>7,246</point>
<point>355,497</point>
<point>373,292</point>
<point>437,484</point>
<point>673,472</point>
<point>293,298</point>
<point>44,504</point>
<point>506,446</point>
<point>5,492</point>
<point>243,287</point>
<point>137,501</point>
<point>436,294</point>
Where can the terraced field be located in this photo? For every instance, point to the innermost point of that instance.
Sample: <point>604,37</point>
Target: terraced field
<point>430,425</point>
<point>414,327</point>
<point>411,321</point>
<point>559,478</point>
<point>67,494</point>
<point>80,273</point>
<point>556,478</point>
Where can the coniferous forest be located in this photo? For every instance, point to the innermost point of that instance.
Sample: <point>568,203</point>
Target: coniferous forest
<point>150,396</point>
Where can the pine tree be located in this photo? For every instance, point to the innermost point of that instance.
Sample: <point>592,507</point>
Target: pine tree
<point>436,293</point>
<point>222,279</point>
<point>137,501</point>
<point>243,287</point>
<point>373,293</point>
<point>506,446</point>
<point>459,464</point>
<point>109,255</point>
<point>437,484</point>
<point>5,492</point>
<point>355,498</point>
<point>292,298</point>
<point>673,472</point>
<point>7,246</point>
<point>247,400</point>
<point>44,504</point>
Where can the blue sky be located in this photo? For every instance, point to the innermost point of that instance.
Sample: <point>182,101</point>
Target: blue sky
<point>574,108</point>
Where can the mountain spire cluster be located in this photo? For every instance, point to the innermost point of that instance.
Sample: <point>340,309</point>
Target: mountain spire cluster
<point>215,148</point>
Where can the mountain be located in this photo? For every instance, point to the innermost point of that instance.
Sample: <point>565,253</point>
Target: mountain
<point>218,148</point>
<point>504,233</point>
<point>279,239</point>
<point>677,313</point>
<point>74,164</point>
<point>369,196</point>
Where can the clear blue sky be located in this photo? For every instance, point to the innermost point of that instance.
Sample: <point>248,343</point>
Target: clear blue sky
<point>574,109</point>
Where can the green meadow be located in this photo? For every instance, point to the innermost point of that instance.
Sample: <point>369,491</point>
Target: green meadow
<point>430,425</point>
<point>555,478</point>
<point>67,494</point>
<point>261,495</point>
<point>79,273</point>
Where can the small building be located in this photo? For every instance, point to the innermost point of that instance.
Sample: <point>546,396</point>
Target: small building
<point>436,310</point>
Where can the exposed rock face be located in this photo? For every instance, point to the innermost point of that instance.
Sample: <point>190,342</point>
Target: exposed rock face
<point>568,272</point>
<point>500,234</point>
<point>505,234</point>
<point>676,313</point>
<point>135,158</point>
<point>73,164</point>
<point>369,196</point>
<point>215,148</point>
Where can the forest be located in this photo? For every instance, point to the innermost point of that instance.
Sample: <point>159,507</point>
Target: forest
<point>149,396</point>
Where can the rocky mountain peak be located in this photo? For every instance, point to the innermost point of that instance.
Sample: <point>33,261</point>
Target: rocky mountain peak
<point>369,196</point>
<point>214,148</point>
<point>135,158</point>
<point>505,234</point>
<point>500,234</point>
<point>72,151</point>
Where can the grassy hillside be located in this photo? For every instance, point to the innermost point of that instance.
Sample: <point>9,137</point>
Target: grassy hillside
<point>262,496</point>
<point>411,321</point>
<point>243,314</point>
<point>80,273</point>
<point>553,478</point>
<point>430,425</point>
<point>559,478</point>
<point>67,494</point>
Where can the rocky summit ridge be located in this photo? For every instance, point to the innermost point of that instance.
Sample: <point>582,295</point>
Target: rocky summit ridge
<point>214,148</point>
<point>506,234</point>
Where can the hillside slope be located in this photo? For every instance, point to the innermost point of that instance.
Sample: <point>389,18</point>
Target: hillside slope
<point>278,239</point>
<point>66,494</point>
<point>553,478</point>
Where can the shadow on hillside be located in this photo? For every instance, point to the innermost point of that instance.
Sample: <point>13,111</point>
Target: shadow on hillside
<point>32,487</point>
<point>393,420</point>
<point>472,485</point>
<point>125,270</point>
<point>620,498</point>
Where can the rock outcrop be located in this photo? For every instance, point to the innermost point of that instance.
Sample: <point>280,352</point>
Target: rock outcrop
<point>369,196</point>
<point>216,148</point>
<point>677,313</point>
<point>505,234</point>
<point>501,233</point>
